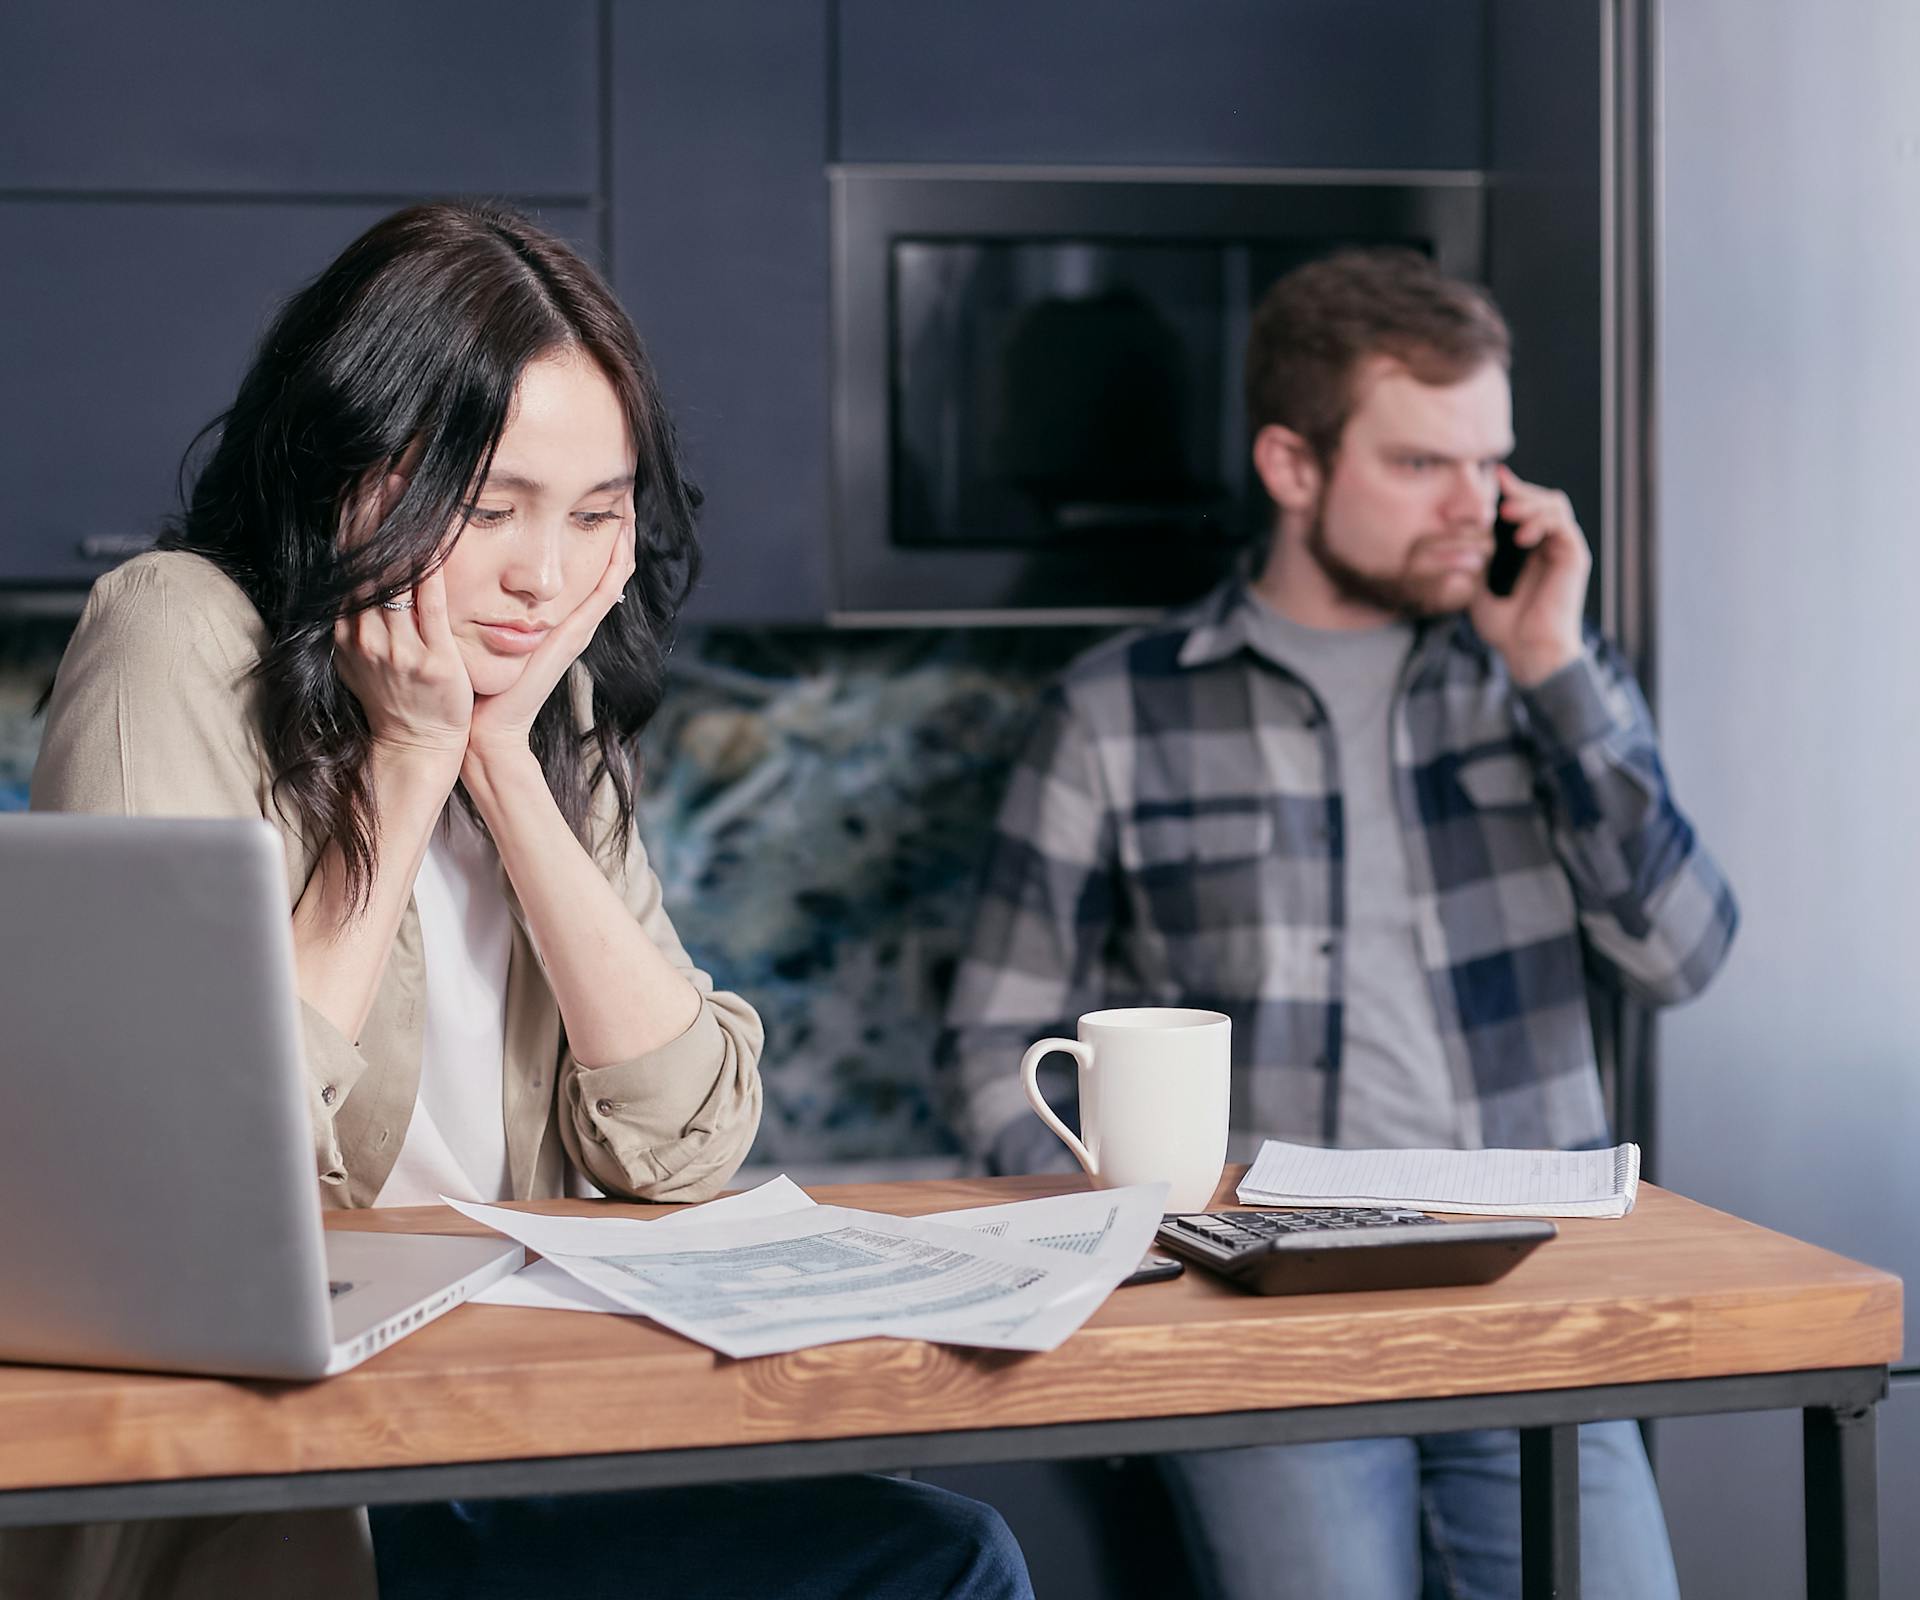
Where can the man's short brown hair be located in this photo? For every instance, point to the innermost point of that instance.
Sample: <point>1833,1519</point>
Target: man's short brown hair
<point>1316,325</point>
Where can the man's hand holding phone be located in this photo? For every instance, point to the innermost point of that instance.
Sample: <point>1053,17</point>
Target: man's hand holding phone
<point>1535,627</point>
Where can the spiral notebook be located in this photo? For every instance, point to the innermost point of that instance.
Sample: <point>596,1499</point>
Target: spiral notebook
<point>1503,1183</point>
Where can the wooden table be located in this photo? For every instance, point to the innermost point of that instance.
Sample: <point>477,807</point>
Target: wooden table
<point>1676,1309</point>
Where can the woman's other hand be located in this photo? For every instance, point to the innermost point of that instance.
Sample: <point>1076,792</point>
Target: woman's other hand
<point>502,722</point>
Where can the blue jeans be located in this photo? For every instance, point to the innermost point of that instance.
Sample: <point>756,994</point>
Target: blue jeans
<point>865,1538</point>
<point>1432,1518</point>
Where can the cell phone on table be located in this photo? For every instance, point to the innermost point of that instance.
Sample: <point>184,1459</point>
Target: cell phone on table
<point>1153,1268</point>
<point>1503,569</point>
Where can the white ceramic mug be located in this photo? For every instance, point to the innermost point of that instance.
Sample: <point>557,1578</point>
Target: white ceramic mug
<point>1154,1098</point>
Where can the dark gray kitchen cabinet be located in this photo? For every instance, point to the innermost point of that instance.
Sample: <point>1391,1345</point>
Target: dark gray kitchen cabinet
<point>350,98</point>
<point>719,198</point>
<point>167,174</point>
<point>1284,83</point>
<point>1545,245</point>
<point>128,327</point>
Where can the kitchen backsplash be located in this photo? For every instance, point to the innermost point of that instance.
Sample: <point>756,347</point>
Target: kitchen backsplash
<point>815,804</point>
<point>29,651</point>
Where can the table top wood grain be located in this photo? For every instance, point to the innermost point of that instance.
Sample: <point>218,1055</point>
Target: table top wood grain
<point>1675,1290</point>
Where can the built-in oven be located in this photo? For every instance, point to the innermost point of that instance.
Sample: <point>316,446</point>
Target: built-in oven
<point>1037,374</point>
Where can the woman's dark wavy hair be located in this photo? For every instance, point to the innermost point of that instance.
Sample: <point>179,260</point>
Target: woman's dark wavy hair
<point>414,340</point>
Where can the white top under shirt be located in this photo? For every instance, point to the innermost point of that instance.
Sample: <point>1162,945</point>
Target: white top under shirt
<point>456,1143</point>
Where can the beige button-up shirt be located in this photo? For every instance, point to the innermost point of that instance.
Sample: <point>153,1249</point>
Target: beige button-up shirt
<point>154,713</point>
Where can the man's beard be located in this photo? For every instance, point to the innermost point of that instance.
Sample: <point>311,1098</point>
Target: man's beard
<point>1401,594</point>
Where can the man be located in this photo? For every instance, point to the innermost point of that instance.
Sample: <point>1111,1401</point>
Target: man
<point>1388,822</point>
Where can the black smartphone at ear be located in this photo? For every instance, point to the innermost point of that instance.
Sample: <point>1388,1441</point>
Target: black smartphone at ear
<point>1503,569</point>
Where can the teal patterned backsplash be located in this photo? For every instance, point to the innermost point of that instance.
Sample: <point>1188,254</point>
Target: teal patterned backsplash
<point>815,803</point>
<point>29,650</point>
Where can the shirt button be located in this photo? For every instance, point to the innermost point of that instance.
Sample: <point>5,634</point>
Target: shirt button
<point>1322,1063</point>
<point>1326,947</point>
<point>604,1107</point>
<point>328,1095</point>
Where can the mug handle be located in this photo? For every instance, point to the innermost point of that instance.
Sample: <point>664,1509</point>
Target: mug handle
<point>1029,1077</point>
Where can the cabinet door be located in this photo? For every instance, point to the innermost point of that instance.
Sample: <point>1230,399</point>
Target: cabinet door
<point>720,253</point>
<point>1545,246</point>
<point>133,322</point>
<point>282,97</point>
<point>1300,83</point>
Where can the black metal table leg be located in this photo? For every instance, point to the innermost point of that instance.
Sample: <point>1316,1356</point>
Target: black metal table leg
<point>1843,1532</point>
<point>1550,1512</point>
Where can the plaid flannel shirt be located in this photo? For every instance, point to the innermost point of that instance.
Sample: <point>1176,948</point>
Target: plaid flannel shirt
<point>1172,835</point>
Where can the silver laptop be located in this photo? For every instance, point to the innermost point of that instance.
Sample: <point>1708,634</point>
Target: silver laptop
<point>158,1202</point>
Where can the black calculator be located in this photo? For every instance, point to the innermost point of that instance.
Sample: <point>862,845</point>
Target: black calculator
<point>1324,1249</point>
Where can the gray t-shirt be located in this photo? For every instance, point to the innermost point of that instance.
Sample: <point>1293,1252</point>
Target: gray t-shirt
<point>1395,1088</point>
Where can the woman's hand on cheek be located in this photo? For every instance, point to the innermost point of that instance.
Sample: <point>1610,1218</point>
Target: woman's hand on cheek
<point>404,668</point>
<point>502,722</point>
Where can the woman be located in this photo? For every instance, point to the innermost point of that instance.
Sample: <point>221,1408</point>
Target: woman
<point>415,614</point>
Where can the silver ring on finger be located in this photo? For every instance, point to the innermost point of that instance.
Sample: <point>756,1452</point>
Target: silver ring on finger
<point>402,603</point>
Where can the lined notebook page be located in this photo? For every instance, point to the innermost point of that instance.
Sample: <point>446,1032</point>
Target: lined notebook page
<point>1506,1183</point>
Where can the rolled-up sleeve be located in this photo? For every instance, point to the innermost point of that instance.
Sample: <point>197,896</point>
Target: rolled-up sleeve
<point>675,1123</point>
<point>334,1066</point>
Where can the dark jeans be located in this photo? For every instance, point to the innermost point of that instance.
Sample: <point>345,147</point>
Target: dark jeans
<point>864,1538</point>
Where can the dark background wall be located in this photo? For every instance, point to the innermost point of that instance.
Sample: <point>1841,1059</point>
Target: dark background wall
<point>168,174</point>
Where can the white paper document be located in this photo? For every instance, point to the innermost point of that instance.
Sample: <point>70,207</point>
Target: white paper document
<point>1505,1183</point>
<point>1111,1226</point>
<point>546,1287</point>
<point>1018,1277</point>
